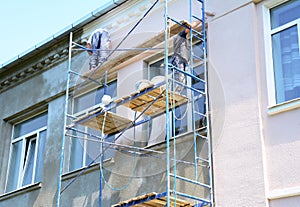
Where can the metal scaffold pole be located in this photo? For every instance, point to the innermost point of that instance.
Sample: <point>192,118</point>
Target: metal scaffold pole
<point>192,170</point>
<point>65,123</point>
<point>167,105</point>
<point>195,38</point>
<point>207,104</point>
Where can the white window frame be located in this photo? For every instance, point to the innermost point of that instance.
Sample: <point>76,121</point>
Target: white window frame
<point>21,171</point>
<point>24,138</point>
<point>273,107</point>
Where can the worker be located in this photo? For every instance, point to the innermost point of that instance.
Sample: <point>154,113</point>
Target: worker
<point>181,55</point>
<point>98,45</point>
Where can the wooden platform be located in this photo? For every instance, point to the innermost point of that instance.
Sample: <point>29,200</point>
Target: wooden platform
<point>150,100</point>
<point>153,101</point>
<point>153,200</point>
<point>113,65</point>
<point>113,122</point>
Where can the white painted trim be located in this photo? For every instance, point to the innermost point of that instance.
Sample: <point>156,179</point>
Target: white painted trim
<point>85,151</point>
<point>298,30</point>
<point>273,3</point>
<point>269,57</point>
<point>284,193</point>
<point>36,155</point>
<point>286,106</point>
<point>261,109</point>
<point>20,174</point>
<point>27,159</point>
<point>29,134</point>
<point>25,189</point>
<point>285,26</point>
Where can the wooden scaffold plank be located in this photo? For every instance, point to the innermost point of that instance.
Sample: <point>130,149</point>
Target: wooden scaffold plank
<point>113,122</point>
<point>155,100</point>
<point>153,200</point>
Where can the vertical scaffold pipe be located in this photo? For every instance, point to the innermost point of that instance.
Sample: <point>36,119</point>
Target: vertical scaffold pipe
<point>192,94</point>
<point>207,104</point>
<point>101,164</point>
<point>61,165</point>
<point>167,105</point>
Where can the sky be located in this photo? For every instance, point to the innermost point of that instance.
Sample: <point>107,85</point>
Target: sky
<point>25,23</point>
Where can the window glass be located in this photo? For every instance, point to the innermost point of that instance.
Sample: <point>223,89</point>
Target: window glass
<point>30,125</point>
<point>199,101</point>
<point>285,13</point>
<point>180,118</point>
<point>40,156</point>
<point>85,101</point>
<point>156,69</point>
<point>111,89</point>
<point>108,149</point>
<point>29,162</point>
<point>93,97</point>
<point>285,50</point>
<point>77,149</point>
<point>286,61</point>
<point>14,167</point>
<point>93,147</point>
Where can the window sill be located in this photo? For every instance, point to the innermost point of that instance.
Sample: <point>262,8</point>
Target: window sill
<point>20,191</point>
<point>284,193</point>
<point>84,170</point>
<point>283,107</point>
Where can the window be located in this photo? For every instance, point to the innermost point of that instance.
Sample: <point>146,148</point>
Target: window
<point>285,35</point>
<point>180,114</point>
<point>85,149</point>
<point>27,153</point>
<point>157,69</point>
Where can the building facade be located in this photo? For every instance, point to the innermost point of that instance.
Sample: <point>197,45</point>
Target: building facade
<point>246,147</point>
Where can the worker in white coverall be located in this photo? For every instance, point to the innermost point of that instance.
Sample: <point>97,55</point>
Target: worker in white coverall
<point>98,45</point>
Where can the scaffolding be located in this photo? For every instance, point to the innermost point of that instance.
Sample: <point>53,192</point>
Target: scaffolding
<point>188,182</point>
